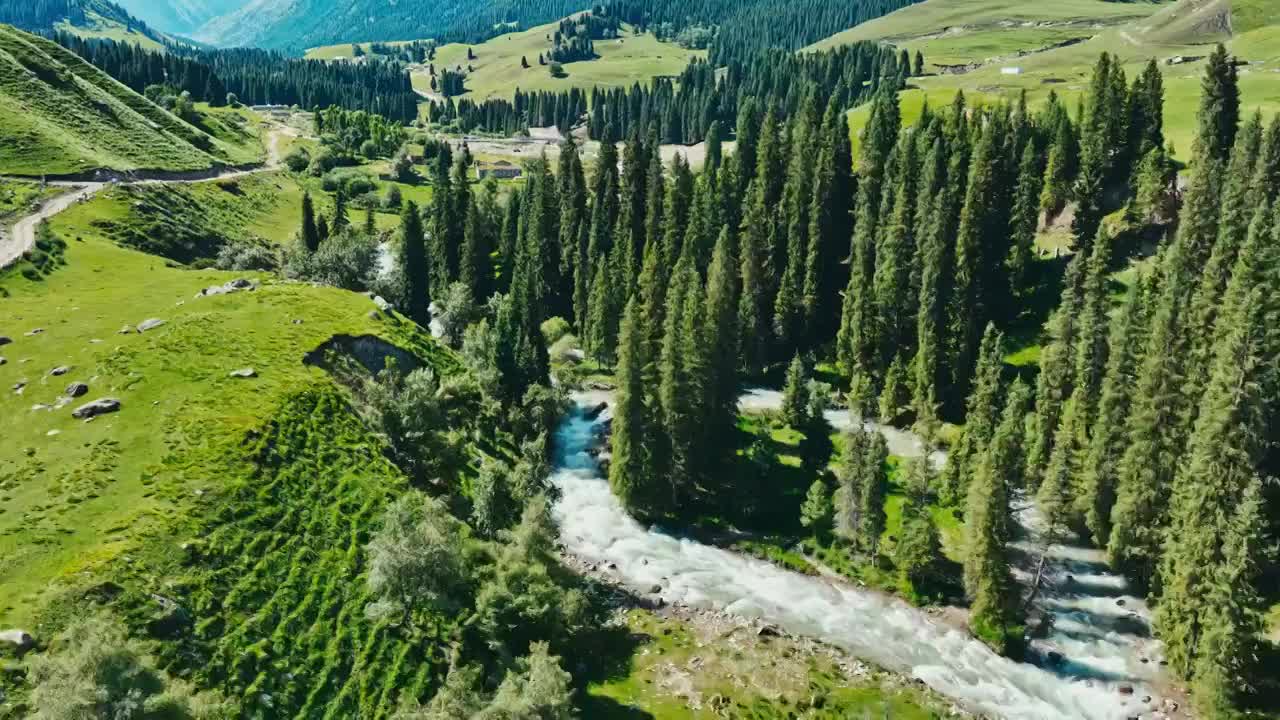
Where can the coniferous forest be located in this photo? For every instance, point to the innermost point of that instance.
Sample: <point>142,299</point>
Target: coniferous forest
<point>1148,425</point>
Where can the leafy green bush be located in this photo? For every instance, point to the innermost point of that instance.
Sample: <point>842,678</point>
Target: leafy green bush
<point>348,260</point>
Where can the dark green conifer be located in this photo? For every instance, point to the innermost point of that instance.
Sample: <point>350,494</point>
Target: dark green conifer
<point>310,233</point>
<point>413,261</point>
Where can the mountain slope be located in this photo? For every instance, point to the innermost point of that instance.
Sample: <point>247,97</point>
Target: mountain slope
<point>299,24</point>
<point>59,115</point>
<point>87,18</point>
<point>180,16</point>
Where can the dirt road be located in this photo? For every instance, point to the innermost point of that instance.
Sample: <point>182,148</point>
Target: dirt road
<point>23,233</point>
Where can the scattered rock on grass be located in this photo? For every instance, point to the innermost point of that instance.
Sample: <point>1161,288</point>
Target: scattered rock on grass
<point>60,371</point>
<point>5,340</point>
<point>244,373</point>
<point>226,288</point>
<point>4,360</point>
<point>19,641</point>
<point>150,324</point>
<point>382,303</point>
<point>126,330</point>
<point>19,386</point>
<point>97,407</point>
<point>77,389</point>
<point>34,331</point>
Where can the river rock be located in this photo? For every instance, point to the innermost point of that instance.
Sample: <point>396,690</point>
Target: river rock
<point>594,412</point>
<point>1126,689</point>
<point>77,389</point>
<point>244,373</point>
<point>18,641</point>
<point>382,304</point>
<point>656,589</point>
<point>1120,602</point>
<point>600,386</point>
<point>5,340</point>
<point>149,324</point>
<point>97,407</point>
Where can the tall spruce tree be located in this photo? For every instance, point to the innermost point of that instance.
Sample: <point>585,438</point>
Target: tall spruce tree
<point>413,263</point>
<point>1126,343</point>
<point>628,467</point>
<point>722,346</point>
<point>310,233</point>
<point>1057,370</point>
<point>980,420</point>
<point>830,226</point>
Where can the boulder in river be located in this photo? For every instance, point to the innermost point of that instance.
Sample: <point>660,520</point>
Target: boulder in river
<point>594,412</point>
<point>98,407</point>
<point>77,389</point>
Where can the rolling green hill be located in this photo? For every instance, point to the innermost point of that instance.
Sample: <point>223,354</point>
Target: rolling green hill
<point>61,115</point>
<point>497,71</point>
<point>1004,40</point>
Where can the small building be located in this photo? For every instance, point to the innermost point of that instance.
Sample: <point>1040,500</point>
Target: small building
<point>501,170</point>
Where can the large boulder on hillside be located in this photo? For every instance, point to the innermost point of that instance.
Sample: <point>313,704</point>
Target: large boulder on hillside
<point>237,285</point>
<point>98,407</point>
<point>77,389</point>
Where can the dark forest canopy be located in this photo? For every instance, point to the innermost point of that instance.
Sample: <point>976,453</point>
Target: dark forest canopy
<point>682,110</point>
<point>256,77</point>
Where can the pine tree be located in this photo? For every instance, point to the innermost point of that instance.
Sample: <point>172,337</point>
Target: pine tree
<point>795,394</point>
<point>445,226</point>
<point>752,324</point>
<point>602,329</point>
<point>510,238</point>
<point>969,312</point>
<point>1126,342</point>
<point>987,530</point>
<point>1057,370</point>
<point>1023,226</point>
<point>310,233</point>
<point>847,498</point>
<point>573,219</point>
<point>871,496</point>
<point>474,270</point>
<point>682,375</point>
<point>980,420</point>
<point>633,188</point>
<point>1219,114</point>
<point>370,222</point>
<point>788,310</point>
<point>530,363</point>
<point>857,342</point>
<point>1090,352</point>
<point>936,255</point>
<point>830,227</point>
<point>1060,170</point>
<point>892,282</point>
<point>816,512</point>
<point>1230,443</point>
<point>322,228</point>
<point>413,260</point>
<point>628,466</point>
<point>722,346</point>
<point>340,219</point>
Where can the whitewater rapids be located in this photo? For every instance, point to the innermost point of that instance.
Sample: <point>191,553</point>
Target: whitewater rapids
<point>595,527</point>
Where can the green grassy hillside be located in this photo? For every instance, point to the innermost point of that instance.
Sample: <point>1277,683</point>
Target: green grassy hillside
<point>1186,28</point>
<point>59,114</point>
<point>497,71</point>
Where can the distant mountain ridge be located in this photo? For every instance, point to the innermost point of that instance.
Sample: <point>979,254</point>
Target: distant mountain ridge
<point>46,15</point>
<point>182,17</point>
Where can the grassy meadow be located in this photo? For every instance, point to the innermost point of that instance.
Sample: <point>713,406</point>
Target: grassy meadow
<point>61,115</point>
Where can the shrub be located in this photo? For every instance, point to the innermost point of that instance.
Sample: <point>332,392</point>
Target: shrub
<point>348,260</point>
<point>393,198</point>
<point>554,329</point>
<point>298,160</point>
<point>244,255</point>
<point>458,311</point>
<point>349,182</point>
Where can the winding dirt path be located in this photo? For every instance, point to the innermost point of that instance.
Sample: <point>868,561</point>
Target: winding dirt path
<point>22,235</point>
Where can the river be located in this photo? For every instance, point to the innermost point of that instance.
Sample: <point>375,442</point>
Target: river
<point>595,527</point>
